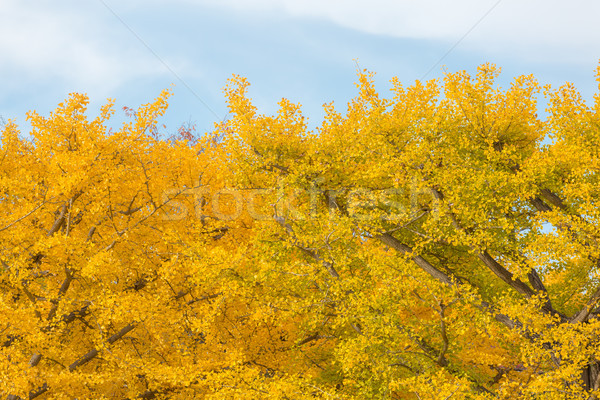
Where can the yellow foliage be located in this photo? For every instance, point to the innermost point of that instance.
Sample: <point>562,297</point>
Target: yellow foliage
<point>441,243</point>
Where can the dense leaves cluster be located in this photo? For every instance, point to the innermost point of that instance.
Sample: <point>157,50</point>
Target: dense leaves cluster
<point>441,243</point>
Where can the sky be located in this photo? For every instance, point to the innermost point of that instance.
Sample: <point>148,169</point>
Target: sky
<point>307,51</point>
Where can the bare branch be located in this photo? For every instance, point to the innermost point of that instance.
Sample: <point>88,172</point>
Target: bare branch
<point>90,233</point>
<point>587,309</point>
<point>90,355</point>
<point>505,275</point>
<point>442,355</point>
<point>312,253</point>
<point>58,223</point>
<point>61,292</point>
<point>32,395</point>
<point>540,205</point>
<point>553,199</point>
<point>394,243</point>
<point>23,217</point>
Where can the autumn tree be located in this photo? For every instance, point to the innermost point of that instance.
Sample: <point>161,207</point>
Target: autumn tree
<point>106,290</point>
<point>447,235</point>
<point>440,243</point>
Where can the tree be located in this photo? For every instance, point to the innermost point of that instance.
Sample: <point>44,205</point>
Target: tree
<point>441,243</point>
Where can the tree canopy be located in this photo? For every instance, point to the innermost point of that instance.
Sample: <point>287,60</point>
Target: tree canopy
<point>440,243</point>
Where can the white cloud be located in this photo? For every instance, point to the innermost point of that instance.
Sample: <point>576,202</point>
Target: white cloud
<point>43,40</point>
<point>83,44</point>
<point>60,46</point>
<point>537,29</point>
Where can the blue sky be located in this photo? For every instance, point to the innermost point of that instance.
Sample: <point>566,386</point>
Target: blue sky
<point>304,50</point>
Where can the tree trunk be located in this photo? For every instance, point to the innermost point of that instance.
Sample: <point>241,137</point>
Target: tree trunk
<point>591,376</point>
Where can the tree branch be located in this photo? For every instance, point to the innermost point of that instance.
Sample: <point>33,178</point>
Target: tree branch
<point>58,223</point>
<point>23,217</point>
<point>394,243</point>
<point>505,275</point>
<point>442,355</point>
<point>61,292</point>
<point>90,355</point>
<point>553,199</point>
<point>312,253</point>
<point>587,309</point>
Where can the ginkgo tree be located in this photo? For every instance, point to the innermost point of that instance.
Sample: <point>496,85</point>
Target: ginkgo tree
<point>440,243</point>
